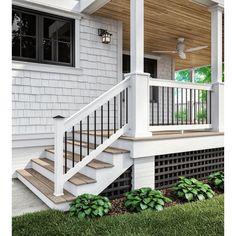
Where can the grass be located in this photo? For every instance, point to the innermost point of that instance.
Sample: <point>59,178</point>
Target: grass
<point>198,218</point>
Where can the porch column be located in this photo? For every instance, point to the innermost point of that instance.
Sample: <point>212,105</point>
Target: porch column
<point>139,92</point>
<point>216,68</point>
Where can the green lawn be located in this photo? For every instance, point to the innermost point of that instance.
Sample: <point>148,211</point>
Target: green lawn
<point>204,218</point>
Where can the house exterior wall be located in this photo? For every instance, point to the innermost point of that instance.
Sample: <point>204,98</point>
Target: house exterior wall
<point>40,92</point>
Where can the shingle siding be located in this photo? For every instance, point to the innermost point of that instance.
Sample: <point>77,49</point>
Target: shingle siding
<point>38,96</point>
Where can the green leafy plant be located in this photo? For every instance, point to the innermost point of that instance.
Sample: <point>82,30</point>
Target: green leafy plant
<point>217,179</point>
<point>181,115</point>
<point>145,199</point>
<point>192,189</point>
<point>201,115</point>
<point>88,205</point>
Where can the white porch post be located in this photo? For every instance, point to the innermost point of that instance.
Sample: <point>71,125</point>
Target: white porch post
<point>216,68</point>
<point>58,156</point>
<point>139,92</point>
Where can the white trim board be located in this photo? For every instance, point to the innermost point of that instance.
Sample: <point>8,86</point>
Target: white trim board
<point>69,8</point>
<point>40,67</point>
<point>175,145</point>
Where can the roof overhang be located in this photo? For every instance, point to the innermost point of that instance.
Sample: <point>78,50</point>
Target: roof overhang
<point>91,6</point>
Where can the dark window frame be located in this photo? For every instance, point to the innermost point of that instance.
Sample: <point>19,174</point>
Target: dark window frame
<point>39,37</point>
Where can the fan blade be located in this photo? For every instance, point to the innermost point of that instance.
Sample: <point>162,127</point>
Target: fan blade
<point>196,49</point>
<point>165,51</point>
<point>182,55</point>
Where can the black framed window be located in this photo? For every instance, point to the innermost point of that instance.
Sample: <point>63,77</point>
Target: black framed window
<point>43,38</point>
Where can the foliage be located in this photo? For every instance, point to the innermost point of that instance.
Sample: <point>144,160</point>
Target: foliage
<point>145,199</point>
<point>197,218</point>
<point>183,75</point>
<point>217,179</point>
<point>181,115</point>
<point>88,205</point>
<point>202,115</point>
<point>192,189</point>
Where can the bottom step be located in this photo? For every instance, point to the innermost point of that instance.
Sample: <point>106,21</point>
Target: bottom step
<point>44,188</point>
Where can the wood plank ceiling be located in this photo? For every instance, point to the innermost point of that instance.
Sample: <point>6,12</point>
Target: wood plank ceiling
<point>165,21</point>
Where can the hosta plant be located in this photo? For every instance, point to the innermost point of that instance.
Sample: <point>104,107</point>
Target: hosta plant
<point>192,189</point>
<point>217,179</point>
<point>145,199</point>
<point>88,205</point>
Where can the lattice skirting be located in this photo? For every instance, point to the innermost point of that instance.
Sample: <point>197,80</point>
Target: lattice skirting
<point>198,164</point>
<point>121,185</point>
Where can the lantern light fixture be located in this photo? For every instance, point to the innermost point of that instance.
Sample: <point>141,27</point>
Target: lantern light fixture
<point>106,36</point>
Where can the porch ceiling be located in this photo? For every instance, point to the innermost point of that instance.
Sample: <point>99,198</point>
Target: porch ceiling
<point>165,21</point>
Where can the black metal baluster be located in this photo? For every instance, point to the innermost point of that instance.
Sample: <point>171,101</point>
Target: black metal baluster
<point>186,106</point>
<point>80,140</point>
<point>202,106</point>
<point>194,106</point>
<point>127,104</point>
<point>168,112</point>
<point>152,111</point>
<point>206,106</point>
<point>121,123</point>
<point>163,104</point>
<point>182,106</point>
<point>198,107</point>
<point>95,128</point>
<point>65,151</point>
<point>191,91</point>
<point>101,124</point>
<point>173,104</point>
<point>177,105</point>
<point>73,146</point>
<point>114,114</point>
<point>108,119</point>
<point>158,106</point>
<point>210,107</point>
<point>87,135</point>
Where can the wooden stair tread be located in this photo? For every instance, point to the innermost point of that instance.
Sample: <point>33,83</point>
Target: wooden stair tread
<point>77,179</point>
<point>45,186</point>
<point>77,157</point>
<point>95,164</point>
<point>110,150</point>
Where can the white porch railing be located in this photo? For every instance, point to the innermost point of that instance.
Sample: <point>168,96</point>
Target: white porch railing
<point>108,114</point>
<point>179,105</point>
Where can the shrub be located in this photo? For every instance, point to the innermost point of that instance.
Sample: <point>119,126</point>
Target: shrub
<point>145,199</point>
<point>192,189</point>
<point>88,205</point>
<point>217,179</point>
<point>181,115</point>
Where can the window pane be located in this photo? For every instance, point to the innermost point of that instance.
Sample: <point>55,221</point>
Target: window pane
<point>64,52</point>
<point>28,45</point>
<point>64,31</point>
<point>16,45</point>
<point>50,50</point>
<point>28,25</point>
<point>50,28</point>
<point>16,23</point>
<point>47,50</point>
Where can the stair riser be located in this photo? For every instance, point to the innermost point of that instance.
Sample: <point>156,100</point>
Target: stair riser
<point>73,189</point>
<point>90,172</point>
<point>105,157</point>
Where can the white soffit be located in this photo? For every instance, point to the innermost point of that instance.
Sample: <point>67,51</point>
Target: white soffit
<point>91,6</point>
<point>209,3</point>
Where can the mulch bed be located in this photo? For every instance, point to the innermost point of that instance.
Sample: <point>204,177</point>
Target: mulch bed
<point>118,204</point>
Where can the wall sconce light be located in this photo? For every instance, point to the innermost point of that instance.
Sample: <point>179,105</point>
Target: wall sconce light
<point>106,36</point>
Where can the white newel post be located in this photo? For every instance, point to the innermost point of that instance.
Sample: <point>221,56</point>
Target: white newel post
<point>217,100</point>
<point>58,155</point>
<point>139,90</point>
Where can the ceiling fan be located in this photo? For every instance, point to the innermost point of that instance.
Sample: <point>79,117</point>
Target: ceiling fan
<point>180,49</point>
